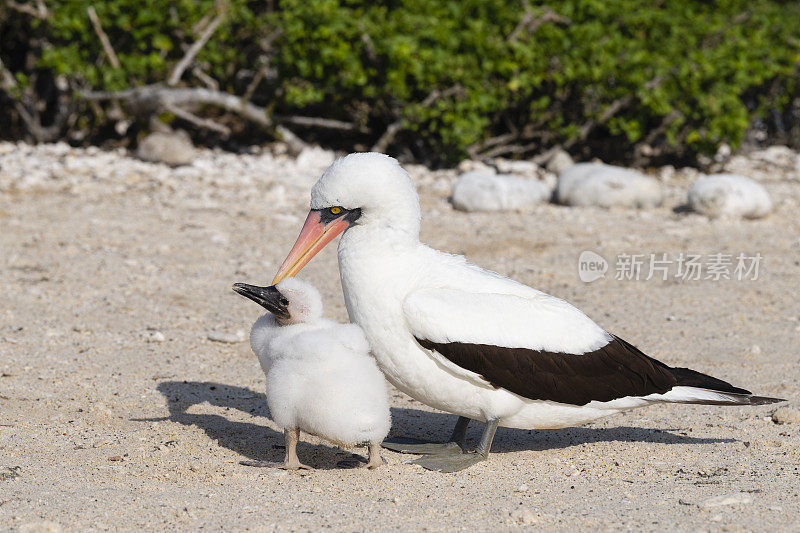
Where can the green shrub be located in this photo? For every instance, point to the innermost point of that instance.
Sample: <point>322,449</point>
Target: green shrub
<point>598,76</point>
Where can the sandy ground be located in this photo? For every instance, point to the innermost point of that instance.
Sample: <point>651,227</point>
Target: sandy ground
<point>117,412</point>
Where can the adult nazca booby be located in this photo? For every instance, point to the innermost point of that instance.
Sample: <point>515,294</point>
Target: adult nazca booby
<point>467,340</point>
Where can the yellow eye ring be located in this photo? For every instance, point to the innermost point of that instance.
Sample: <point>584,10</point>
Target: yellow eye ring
<point>336,210</point>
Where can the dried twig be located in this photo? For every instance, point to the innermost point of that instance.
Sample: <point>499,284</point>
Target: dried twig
<point>295,143</point>
<point>253,85</point>
<point>98,29</point>
<point>391,131</point>
<point>531,21</point>
<point>197,121</point>
<point>609,112</point>
<point>40,11</point>
<point>325,123</point>
<point>7,80</point>
<point>153,98</point>
<point>190,54</point>
<point>31,120</point>
<point>210,82</point>
<point>508,149</point>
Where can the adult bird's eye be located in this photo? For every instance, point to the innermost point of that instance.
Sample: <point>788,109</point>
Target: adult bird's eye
<point>336,210</point>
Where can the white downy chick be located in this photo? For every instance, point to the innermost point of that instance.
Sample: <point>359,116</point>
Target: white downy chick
<point>321,378</point>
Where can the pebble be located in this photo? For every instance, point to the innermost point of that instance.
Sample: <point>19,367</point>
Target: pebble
<point>738,498</point>
<point>525,517</point>
<point>559,162</point>
<point>9,473</point>
<point>155,336</point>
<point>173,148</point>
<point>729,195</point>
<point>786,415</point>
<point>522,488</point>
<point>601,185</point>
<point>485,191</point>
<point>228,338</point>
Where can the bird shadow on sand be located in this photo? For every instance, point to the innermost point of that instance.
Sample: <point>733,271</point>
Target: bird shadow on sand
<point>251,440</point>
<point>257,441</point>
<point>426,425</point>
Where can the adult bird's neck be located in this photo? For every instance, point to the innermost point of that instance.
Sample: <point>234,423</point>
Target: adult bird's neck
<point>376,263</point>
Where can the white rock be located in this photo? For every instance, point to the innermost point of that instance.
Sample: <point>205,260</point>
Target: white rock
<point>598,184</point>
<point>484,191</point>
<point>171,148</point>
<point>559,162</point>
<point>729,195</point>
<point>666,173</point>
<point>723,153</point>
<point>781,156</point>
<point>738,498</point>
<point>772,163</point>
<point>228,338</point>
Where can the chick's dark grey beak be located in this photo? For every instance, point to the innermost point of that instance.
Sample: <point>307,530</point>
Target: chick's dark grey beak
<point>269,298</point>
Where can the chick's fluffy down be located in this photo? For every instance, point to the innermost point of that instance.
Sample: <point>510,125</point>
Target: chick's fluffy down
<point>324,382</point>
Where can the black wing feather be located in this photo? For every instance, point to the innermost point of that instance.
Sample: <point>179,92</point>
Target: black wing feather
<point>613,371</point>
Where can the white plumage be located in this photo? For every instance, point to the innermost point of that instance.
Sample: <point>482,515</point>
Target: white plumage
<point>484,335</point>
<point>320,376</point>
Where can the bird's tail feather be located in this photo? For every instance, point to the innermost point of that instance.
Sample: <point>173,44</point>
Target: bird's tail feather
<point>699,388</point>
<point>682,394</point>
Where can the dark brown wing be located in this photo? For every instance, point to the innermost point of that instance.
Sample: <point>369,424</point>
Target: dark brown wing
<point>616,370</point>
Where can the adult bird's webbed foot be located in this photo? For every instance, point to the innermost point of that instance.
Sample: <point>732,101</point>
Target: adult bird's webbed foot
<point>455,461</point>
<point>449,463</point>
<point>420,447</point>
<point>453,446</point>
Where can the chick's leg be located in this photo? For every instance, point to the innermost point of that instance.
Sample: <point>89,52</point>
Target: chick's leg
<point>290,461</point>
<point>375,459</point>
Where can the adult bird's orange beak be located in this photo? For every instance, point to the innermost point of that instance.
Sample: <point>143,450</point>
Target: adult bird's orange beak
<point>313,238</point>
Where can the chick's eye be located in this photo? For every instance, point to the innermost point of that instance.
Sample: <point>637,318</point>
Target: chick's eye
<point>336,210</point>
<point>284,301</point>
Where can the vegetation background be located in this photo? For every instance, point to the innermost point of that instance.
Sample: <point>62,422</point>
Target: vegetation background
<point>625,80</point>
